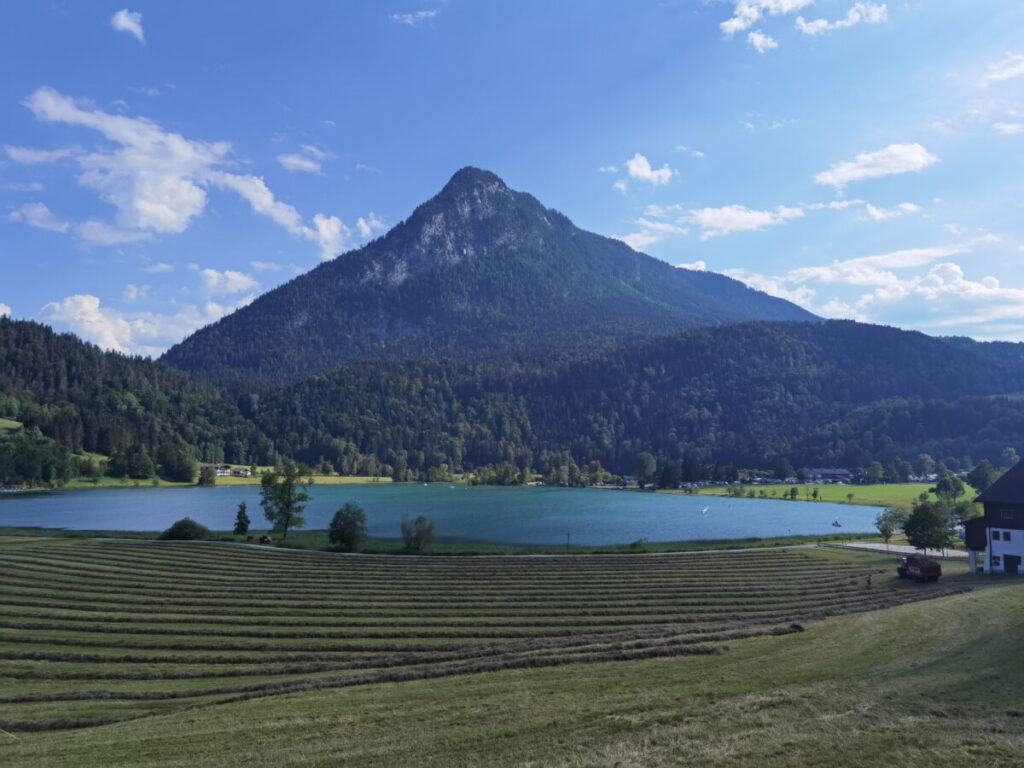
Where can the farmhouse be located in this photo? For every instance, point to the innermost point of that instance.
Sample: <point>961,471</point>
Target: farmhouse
<point>242,472</point>
<point>1000,532</point>
<point>221,470</point>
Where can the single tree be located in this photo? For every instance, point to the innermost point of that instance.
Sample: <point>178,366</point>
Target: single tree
<point>849,498</point>
<point>283,496</point>
<point>241,520</point>
<point>982,476</point>
<point>794,492</point>
<point>644,468</point>
<point>347,530</point>
<point>929,526</point>
<point>418,534</point>
<point>889,521</point>
<point>207,475</point>
<point>949,487</point>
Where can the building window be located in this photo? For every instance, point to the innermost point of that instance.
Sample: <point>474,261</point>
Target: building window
<point>1006,535</point>
<point>996,561</point>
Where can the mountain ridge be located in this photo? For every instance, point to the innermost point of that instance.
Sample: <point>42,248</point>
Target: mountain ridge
<point>475,269</point>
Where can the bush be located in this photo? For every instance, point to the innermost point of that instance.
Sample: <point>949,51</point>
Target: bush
<point>418,534</point>
<point>186,529</point>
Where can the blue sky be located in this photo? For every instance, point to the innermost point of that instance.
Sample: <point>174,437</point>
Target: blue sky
<point>163,163</point>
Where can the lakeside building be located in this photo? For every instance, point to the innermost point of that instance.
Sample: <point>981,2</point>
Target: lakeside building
<point>999,533</point>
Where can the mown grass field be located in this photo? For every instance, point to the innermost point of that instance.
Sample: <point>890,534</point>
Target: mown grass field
<point>205,654</point>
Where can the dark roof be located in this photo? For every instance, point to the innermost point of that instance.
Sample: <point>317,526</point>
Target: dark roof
<point>1009,488</point>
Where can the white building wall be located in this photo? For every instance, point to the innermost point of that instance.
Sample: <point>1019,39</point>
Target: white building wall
<point>1000,548</point>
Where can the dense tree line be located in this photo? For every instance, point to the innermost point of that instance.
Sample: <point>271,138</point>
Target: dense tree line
<point>834,394</point>
<point>701,404</point>
<point>146,415</point>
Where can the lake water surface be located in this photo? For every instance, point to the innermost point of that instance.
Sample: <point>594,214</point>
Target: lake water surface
<point>514,515</point>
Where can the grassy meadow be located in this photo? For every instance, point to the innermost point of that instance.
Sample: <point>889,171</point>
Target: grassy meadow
<point>881,495</point>
<point>137,653</point>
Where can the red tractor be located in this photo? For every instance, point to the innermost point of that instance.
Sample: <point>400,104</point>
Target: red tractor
<point>919,568</point>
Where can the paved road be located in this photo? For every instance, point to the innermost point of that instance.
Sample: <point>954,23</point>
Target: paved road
<point>900,549</point>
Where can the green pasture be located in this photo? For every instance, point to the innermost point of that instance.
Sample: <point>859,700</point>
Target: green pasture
<point>208,655</point>
<point>882,495</point>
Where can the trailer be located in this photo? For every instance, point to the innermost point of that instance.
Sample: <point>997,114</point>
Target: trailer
<point>919,568</point>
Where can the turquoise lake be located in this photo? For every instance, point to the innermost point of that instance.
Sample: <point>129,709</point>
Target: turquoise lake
<point>515,515</point>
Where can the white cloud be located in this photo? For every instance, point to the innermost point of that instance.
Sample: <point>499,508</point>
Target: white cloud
<point>157,180</point>
<point>728,219</point>
<point>412,19</point>
<point>39,216</point>
<point>622,185</point>
<point>265,266</point>
<point>608,169</point>
<point>1009,67</point>
<point>697,266</point>
<point>746,13</point>
<point>300,163</point>
<point>100,233</point>
<point>83,314</point>
<point>801,294</point>
<point>227,282</point>
<point>31,186</point>
<point>640,240</point>
<point>893,159</point>
<point>27,156</point>
<point>5,310</point>
<point>938,297</point>
<point>133,292</point>
<point>882,214</point>
<point>138,333</point>
<point>761,41</point>
<point>867,13</point>
<point>372,223</point>
<point>309,160</point>
<point>159,268</point>
<point>639,167</point>
<point>1008,129</point>
<point>692,152</point>
<point>128,21</point>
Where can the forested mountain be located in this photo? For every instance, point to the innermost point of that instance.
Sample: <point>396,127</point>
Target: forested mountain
<point>477,271</point>
<point>836,393</point>
<point>101,402</point>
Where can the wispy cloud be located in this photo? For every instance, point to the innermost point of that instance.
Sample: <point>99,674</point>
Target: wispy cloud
<point>38,215</point>
<point>309,160</point>
<point>893,159</point>
<point>412,19</point>
<point>157,181</point>
<point>130,22</point>
<point>1007,68</point>
<point>860,13</point>
<point>27,156</point>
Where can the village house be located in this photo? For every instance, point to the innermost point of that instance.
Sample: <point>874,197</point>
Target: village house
<point>222,470</point>
<point>1000,532</point>
<point>241,472</point>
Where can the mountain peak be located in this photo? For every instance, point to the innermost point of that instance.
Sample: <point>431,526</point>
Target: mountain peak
<point>473,177</point>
